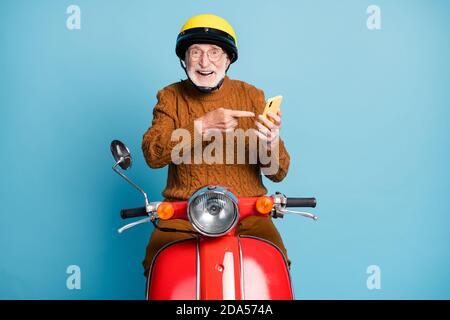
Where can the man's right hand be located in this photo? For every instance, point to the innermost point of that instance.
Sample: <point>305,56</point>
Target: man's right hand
<point>221,119</point>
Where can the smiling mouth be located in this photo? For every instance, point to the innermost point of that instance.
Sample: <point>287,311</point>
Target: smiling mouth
<point>205,73</point>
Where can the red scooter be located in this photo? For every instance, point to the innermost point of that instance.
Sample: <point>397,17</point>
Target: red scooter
<point>218,265</point>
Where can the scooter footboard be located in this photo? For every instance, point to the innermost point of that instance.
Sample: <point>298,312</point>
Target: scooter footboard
<point>264,270</point>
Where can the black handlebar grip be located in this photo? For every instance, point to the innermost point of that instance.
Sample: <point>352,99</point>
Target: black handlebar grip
<point>301,202</point>
<point>133,213</point>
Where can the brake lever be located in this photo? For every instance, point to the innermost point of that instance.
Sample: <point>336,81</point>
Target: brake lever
<point>150,218</point>
<point>301,213</point>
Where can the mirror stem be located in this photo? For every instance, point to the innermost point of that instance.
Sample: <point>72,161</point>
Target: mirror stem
<point>129,181</point>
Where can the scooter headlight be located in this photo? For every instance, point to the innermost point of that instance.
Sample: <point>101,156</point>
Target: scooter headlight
<point>213,211</point>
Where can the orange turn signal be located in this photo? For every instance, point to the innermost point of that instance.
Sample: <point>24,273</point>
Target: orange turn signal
<point>165,211</point>
<point>264,204</point>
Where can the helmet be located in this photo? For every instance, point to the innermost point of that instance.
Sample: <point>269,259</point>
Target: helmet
<point>210,29</point>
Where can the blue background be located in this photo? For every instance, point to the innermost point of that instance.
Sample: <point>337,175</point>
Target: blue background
<point>365,121</point>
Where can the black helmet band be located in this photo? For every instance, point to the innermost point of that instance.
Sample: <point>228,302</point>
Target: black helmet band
<point>209,36</point>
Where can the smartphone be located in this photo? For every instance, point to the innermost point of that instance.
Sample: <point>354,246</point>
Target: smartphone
<point>273,105</point>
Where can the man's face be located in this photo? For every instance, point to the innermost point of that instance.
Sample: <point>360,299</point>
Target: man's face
<point>206,64</point>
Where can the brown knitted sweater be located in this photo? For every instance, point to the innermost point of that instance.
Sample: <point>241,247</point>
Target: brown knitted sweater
<point>178,105</point>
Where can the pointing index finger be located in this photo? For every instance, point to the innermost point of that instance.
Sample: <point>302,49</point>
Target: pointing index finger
<point>238,113</point>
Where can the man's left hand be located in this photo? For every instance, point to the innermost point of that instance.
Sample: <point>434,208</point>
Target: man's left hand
<point>269,130</point>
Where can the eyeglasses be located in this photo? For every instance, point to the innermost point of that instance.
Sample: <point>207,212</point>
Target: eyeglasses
<point>213,54</point>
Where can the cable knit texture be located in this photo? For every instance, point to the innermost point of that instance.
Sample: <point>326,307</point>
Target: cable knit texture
<point>178,105</point>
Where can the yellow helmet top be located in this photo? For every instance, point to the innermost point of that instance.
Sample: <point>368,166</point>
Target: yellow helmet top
<point>210,21</point>
<point>207,28</point>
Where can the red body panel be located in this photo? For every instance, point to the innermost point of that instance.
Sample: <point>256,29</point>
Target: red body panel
<point>265,273</point>
<point>174,273</point>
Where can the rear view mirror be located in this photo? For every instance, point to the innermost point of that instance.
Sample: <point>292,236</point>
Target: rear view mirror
<point>121,154</point>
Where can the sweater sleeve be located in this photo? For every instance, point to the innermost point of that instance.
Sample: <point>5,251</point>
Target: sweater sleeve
<point>283,157</point>
<point>283,164</point>
<point>158,142</point>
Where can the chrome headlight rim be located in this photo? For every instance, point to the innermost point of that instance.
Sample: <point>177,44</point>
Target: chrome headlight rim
<point>220,190</point>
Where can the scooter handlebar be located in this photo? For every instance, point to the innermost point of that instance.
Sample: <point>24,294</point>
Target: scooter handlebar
<point>133,213</point>
<point>301,202</point>
<point>290,202</point>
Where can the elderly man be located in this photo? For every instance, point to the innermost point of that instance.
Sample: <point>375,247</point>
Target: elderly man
<point>209,100</point>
